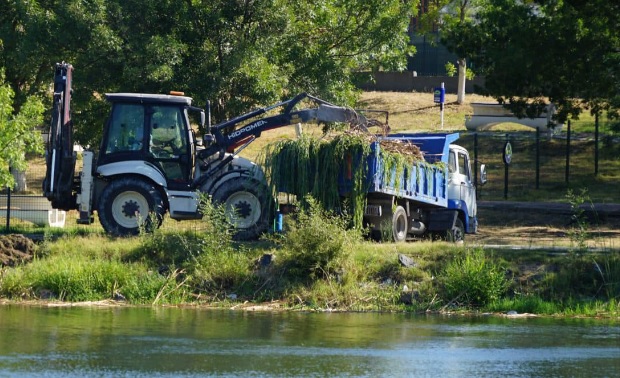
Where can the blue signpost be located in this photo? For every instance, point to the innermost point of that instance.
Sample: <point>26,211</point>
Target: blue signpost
<point>440,98</point>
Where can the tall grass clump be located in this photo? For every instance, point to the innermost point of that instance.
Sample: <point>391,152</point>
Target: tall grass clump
<point>471,280</point>
<point>316,242</point>
<point>205,261</point>
<point>586,277</point>
<point>177,249</point>
<point>70,277</point>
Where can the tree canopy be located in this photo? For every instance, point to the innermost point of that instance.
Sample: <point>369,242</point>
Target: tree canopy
<point>531,52</point>
<point>16,132</point>
<point>239,54</point>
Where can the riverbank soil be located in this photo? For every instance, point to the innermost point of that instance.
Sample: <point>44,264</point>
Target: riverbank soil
<point>15,249</point>
<point>545,225</point>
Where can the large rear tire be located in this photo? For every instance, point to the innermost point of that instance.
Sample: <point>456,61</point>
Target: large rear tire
<point>247,205</point>
<point>399,225</point>
<point>128,204</point>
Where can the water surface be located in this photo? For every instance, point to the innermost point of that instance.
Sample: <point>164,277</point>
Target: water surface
<point>162,342</point>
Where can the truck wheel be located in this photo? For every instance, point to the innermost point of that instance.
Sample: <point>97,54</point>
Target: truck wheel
<point>247,204</point>
<point>128,203</point>
<point>399,225</point>
<point>457,234</point>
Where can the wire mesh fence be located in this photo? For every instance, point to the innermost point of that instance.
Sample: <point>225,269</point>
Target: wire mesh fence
<point>543,167</point>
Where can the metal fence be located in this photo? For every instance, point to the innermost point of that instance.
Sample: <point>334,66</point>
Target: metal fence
<point>543,164</point>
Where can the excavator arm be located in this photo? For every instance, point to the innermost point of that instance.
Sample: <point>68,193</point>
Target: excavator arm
<point>233,133</point>
<point>59,185</point>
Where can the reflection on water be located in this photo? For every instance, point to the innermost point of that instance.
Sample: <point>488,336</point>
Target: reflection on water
<point>59,342</point>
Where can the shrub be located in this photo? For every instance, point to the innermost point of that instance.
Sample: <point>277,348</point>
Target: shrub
<point>471,280</point>
<point>316,241</point>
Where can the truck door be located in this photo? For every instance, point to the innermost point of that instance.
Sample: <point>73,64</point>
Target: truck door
<point>461,186</point>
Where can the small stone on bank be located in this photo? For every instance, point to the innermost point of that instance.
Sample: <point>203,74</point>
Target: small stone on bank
<point>406,261</point>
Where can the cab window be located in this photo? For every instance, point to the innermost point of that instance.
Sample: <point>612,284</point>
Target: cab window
<point>168,142</point>
<point>451,162</point>
<point>126,131</point>
<point>167,132</point>
<point>463,162</point>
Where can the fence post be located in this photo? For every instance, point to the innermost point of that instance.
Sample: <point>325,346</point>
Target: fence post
<point>596,144</point>
<point>537,158</point>
<point>507,158</point>
<point>8,209</point>
<point>567,151</point>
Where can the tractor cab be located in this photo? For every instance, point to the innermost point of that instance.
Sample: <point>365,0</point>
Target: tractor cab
<point>153,130</point>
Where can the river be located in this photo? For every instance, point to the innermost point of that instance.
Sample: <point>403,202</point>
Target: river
<point>189,342</point>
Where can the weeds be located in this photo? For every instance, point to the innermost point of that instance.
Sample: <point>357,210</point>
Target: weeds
<point>319,264</point>
<point>472,280</point>
<point>180,248</point>
<point>317,241</point>
<point>580,224</point>
<point>75,278</point>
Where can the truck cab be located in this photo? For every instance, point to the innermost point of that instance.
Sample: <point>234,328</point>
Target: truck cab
<point>462,188</point>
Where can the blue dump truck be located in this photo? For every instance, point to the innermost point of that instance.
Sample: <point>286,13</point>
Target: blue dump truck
<point>435,196</point>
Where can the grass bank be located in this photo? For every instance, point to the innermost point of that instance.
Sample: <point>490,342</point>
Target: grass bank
<point>317,265</point>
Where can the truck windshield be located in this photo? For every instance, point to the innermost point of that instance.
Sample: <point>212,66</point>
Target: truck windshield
<point>458,163</point>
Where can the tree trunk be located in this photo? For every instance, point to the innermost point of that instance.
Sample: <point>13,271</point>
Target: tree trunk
<point>20,181</point>
<point>460,95</point>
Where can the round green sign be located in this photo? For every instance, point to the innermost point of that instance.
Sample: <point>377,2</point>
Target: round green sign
<point>507,153</point>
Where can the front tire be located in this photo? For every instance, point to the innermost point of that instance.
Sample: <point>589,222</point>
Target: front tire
<point>247,206</point>
<point>457,234</point>
<point>127,204</point>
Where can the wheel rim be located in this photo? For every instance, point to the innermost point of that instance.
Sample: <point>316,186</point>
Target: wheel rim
<point>458,235</point>
<point>243,209</point>
<point>130,208</point>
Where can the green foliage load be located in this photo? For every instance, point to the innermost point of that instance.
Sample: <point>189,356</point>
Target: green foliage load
<point>310,166</point>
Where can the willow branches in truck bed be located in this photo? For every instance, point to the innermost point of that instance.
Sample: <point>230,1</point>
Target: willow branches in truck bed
<point>334,171</point>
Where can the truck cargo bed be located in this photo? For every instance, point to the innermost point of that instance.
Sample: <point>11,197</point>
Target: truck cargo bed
<point>422,181</point>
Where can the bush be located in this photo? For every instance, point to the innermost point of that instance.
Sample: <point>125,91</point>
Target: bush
<point>587,277</point>
<point>316,241</point>
<point>471,280</point>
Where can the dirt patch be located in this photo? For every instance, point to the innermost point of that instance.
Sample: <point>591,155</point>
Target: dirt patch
<point>15,249</point>
<point>543,228</point>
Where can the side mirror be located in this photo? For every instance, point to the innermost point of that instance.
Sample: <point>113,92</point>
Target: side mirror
<point>208,140</point>
<point>202,120</point>
<point>483,174</point>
